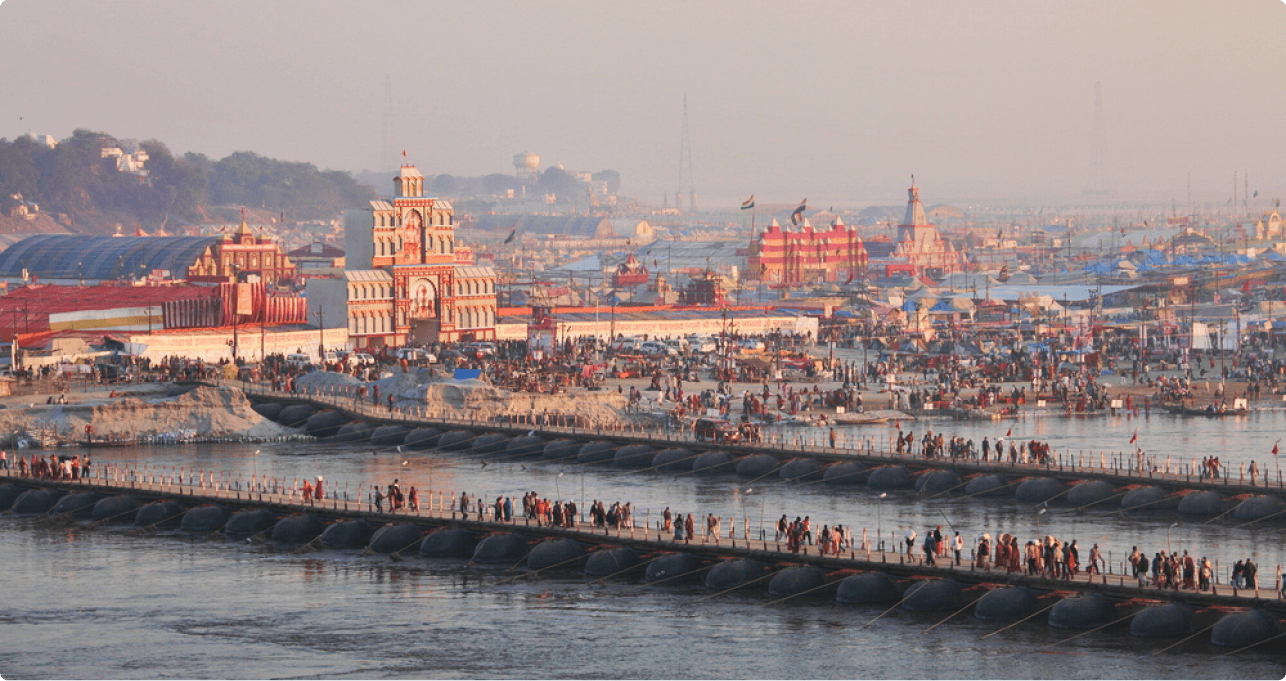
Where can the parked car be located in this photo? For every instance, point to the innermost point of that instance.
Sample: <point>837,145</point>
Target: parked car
<point>677,345</point>
<point>627,345</point>
<point>298,359</point>
<point>362,358</point>
<point>416,356</point>
<point>480,350</point>
<point>655,348</point>
<point>702,344</point>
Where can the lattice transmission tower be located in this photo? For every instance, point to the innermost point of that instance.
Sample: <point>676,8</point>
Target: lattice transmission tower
<point>685,166</point>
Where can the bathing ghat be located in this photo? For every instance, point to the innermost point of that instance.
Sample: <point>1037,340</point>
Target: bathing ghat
<point>725,565</point>
<point>1101,481</point>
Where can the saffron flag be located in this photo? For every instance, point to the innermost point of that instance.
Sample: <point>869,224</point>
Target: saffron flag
<point>1275,450</point>
<point>1134,438</point>
<point>794,216</point>
<point>1009,432</point>
<point>748,203</point>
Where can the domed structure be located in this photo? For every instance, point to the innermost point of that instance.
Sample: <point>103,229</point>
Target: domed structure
<point>526,166</point>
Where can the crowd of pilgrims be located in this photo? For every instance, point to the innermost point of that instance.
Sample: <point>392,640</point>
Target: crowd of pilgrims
<point>52,467</point>
<point>1051,557</point>
<point>937,447</point>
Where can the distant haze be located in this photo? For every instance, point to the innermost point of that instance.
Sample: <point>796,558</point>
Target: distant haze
<point>836,101</point>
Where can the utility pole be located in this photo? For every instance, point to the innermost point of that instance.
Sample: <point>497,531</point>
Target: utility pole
<point>321,333</point>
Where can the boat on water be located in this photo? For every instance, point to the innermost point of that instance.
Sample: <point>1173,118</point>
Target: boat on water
<point>1208,411</point>
<point>859,420</point>
<point>108,443</point>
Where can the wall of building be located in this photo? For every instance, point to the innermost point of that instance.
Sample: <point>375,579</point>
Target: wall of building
<point>662,328</point>
<point>330,296</point>
<point>359,239</point>
<point>213,347</point>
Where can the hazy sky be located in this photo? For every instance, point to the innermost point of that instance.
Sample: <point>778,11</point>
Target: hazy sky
<point>837,101</point>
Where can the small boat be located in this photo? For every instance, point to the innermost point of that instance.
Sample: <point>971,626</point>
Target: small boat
<point>108,443</point>
<point>859,420</point>
<point>1208,411</point>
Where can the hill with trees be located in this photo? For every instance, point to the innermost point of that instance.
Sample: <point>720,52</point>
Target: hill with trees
<point>88,189</point>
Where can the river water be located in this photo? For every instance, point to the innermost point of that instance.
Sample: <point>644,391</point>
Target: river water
<point>104,603</point>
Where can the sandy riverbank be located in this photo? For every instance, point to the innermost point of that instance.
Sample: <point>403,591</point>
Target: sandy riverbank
<point>137,410</point>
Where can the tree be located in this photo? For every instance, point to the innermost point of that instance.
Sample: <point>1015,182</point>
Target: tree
<point>497,183</point>
<point>559,182</point>
<point>445,185</point>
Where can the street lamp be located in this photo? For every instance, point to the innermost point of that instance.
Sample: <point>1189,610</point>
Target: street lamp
<point>879,521</point>
<point>321,333</point>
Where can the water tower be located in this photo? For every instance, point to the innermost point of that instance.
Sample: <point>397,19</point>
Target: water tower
<point>526,166</point>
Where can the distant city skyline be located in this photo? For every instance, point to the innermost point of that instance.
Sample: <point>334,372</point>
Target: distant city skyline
<point>836,101</point>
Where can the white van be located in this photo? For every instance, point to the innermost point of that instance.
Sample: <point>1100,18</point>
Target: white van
<point>702,344</point>
<point>655,348</point>
<point>677,346</point>
<point>298,359</point>
<point>627,344</point>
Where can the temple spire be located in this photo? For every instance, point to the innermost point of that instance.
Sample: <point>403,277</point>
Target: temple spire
<point>914,209</point>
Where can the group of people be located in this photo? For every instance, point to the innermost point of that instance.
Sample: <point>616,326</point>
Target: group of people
<point>395,497</point>
<point>314,491</point>
<point>1050,557</point>
<point>53,467</point>
<point>934,546</point>
<point>1172,571</point>
<point>556,514</point>
<point>800,531</point>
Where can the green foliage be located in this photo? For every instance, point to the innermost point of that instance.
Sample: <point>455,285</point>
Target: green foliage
<point>561,183</point>
<point>74,177</point>
<point>248,179</point>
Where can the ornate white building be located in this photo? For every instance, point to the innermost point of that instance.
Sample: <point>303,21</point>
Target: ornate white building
<point>408,284</point>
<point>919,247</point>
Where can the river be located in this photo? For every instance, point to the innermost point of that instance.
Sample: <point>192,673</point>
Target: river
<point>82,602</point>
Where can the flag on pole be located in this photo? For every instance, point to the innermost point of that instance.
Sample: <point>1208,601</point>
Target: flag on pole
<point>1275,450</point>
<point>748,203</point>
<point>795,215</point>
<point>512,234</point>
<point>1134,438</point>
<point>1009,432</point>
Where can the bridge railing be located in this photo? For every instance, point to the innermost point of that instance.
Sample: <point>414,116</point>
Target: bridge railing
<point>199,485</point>
<point>1103,462</point>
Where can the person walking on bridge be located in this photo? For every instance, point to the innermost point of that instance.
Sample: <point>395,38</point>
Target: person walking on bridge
<point>1095,557</point>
